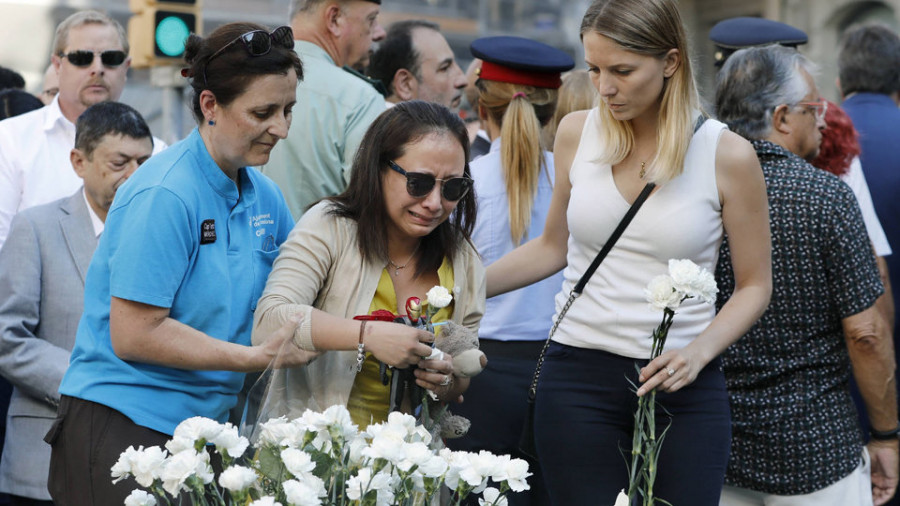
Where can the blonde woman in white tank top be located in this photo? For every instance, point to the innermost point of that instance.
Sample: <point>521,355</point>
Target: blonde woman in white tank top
<point>708,183</point>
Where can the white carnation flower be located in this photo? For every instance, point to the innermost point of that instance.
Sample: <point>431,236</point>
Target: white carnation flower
<point>198,428</point>
<point>181,466</point>
<point>621,499</point>
<point>305,492</point>
<point>179,444</point>
<point>434,467</point>
<point>237,478</point>
<point>140,498</point>
<point>143,464</point>
<point>356,447</point>
<point>297,462</point>
<point>230,442</point>
<point>438,297</point>
<point>492,497</point>
<point>265,501</point>
<point>707,288</point>
<point>661,293</point>
<point>278,432</point>
<point>685,275</point>
<point>514,472</point>
<point>364,482</point>
<point>482,465</point>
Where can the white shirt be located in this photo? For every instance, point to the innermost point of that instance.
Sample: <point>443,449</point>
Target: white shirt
<point>34,161</point>
<point>96,222</point>
<point>681,219</point>
<point>856,180</point>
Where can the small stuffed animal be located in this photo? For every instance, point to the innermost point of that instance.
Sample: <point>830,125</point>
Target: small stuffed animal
<point>462,344</point>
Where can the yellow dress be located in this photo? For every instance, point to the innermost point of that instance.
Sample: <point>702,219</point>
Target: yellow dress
<point>369,398</point>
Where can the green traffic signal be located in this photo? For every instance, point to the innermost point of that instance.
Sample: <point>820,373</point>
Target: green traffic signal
<point>171,32</point>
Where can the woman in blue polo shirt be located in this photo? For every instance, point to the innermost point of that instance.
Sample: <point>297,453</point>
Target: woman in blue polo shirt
<point>188,244</point>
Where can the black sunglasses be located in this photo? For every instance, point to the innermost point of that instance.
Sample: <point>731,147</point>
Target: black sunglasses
<point>420,184</point>
<point>259,42</point>
<point>83,58</point>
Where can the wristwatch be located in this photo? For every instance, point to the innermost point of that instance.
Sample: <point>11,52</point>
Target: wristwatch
<point>885,435</point>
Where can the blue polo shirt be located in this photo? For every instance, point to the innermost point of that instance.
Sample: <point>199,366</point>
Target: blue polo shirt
<point>179,235</point>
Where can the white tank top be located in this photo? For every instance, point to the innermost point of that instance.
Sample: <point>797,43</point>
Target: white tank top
<point>682,219</point>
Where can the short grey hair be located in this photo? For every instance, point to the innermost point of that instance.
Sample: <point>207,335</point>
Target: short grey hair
<point>753,82</point>
<point>81,18</point>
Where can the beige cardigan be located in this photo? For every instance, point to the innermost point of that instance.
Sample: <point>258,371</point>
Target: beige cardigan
<point>320,266</point>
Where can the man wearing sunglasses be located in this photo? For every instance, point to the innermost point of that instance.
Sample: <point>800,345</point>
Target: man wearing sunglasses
<point>334,108</point>
<point>90,58</point>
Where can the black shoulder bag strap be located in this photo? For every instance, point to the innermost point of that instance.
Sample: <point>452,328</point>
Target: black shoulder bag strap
<point>579,287</point>
<point>526,442</point>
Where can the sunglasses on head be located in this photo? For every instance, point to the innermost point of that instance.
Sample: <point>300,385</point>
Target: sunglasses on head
<point>420,184</point>
<point>83,58</point>
<point>259,42</point>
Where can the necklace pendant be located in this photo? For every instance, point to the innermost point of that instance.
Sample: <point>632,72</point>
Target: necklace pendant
<point>396,272</point>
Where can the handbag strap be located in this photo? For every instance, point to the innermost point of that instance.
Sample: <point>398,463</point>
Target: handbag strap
<point>579,287</point>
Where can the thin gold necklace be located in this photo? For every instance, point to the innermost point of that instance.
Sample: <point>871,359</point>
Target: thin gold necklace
<point>398,267</point>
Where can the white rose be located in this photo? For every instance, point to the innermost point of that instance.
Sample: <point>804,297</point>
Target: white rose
<point>140,498</point>
<point>621,499</point>
<point>237,478</point>
<point>661,293</point>
<point>297,462</point>
<point>438,297</point>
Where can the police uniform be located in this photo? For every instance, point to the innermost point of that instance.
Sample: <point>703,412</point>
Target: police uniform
<point>517,323</point>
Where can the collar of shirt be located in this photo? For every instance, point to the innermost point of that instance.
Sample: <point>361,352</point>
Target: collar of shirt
<point>96,222</point>
<point>53,117</point>
<point>221,183</point>
<point>495,145</point>
<point>304,48</point>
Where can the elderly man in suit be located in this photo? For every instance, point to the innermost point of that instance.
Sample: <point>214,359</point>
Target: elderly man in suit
<point>42,269</point>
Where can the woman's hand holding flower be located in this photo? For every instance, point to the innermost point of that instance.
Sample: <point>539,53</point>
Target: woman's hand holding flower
<point>437,375</point>
<point>684,364</point>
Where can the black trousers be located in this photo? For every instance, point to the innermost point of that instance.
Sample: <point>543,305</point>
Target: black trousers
<point>87,439</point>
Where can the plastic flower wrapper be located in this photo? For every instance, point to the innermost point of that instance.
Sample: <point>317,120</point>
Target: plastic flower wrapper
<point>665,293</point>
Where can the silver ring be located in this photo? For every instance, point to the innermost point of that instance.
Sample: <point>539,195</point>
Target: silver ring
<point>670,372</point>
<point>446,381</point>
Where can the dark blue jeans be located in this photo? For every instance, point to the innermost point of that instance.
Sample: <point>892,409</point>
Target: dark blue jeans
<point>584,418</point>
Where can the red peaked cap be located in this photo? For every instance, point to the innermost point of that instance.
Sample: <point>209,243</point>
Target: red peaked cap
<point>521,61</point>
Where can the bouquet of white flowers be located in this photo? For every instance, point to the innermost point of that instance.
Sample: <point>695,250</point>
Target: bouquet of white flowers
<point>317,459</point>
<point>664,293</point>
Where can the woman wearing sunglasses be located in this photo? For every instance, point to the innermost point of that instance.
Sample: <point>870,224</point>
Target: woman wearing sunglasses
<point>401,227</point>
<point>185,252</point>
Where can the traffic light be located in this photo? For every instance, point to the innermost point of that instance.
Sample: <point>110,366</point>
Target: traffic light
<point>158,29</point>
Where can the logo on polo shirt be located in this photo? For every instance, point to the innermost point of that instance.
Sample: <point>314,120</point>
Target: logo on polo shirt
<point>208,232</point>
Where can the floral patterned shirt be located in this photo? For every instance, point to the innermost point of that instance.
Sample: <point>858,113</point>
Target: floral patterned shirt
<point>794,425</point>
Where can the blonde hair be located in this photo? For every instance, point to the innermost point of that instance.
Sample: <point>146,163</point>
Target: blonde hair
<point>521,154</point>
<point>651,28</point>
<point>577,93</point>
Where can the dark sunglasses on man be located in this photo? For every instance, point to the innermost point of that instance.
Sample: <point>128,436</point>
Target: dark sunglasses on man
<point>84,58</point>
<point>420,184</point>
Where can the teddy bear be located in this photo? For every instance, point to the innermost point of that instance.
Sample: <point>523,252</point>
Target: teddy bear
<point>462,344</point>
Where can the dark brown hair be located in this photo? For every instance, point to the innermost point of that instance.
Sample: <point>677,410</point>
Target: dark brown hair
<point>363,200</point>
<point>229,74</point>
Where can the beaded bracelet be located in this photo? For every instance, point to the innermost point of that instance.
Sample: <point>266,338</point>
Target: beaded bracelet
<point>361,348</point>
